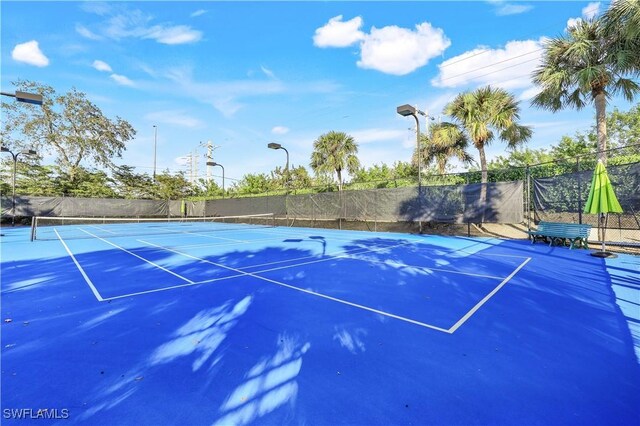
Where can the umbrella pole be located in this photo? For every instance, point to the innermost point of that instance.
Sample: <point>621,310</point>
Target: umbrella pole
<point>602,252</point>
<point>604,231</point>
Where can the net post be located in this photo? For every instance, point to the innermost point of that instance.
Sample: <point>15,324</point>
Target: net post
<point>34,220</point>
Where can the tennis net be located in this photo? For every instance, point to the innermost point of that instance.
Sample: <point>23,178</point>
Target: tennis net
<point>51,228</point>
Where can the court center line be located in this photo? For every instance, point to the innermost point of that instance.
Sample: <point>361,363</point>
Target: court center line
<point>484,300</point>
<point>241,273</point>
<point>313,293</point>
<point>94,290</point>
<point>139,257</point>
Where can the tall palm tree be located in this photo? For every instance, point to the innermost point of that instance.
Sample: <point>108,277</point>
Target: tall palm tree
<point>622,24</point>
<point>486,113</point>
<point>582,67</point>
<point>444,142</point>
<point>335,152</point>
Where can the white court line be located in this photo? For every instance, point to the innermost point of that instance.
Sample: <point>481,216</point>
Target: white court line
<point>102,229</point>
<point>139,257</point>
<point>84,274</point>
<point>224,244</point>
<point>217,238</point>
<point>484,300</point>
<point>335,299</point>
<point>211,280</point>
<point>412,238</point>
<point>451,330</point>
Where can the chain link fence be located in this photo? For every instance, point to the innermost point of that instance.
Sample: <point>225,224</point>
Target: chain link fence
<point>518,197</point>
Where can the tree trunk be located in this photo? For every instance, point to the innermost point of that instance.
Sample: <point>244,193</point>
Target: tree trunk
<point>601,121</point>
<point>483,163</point>
<point>483,188</point>
<point>339,179</point>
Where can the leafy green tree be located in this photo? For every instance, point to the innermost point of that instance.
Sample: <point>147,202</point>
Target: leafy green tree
<point>69,125</point>
<point>520,158</point>
<point>207,189</point>
<point>38,180</point>
<point>132,185</point>
<point>335,152</point>
<point>572,147</point>
<point>584,67</point>
<point>253,183</point>
<point>444,142</point>
<point>299,177</point>
<point>91,184</point>
<point>486,113</point>
<point>172,187</point>
<point>623,127</point>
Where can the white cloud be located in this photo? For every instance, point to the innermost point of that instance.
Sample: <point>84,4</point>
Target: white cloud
<point>280,130</point>
<point>177,118</point>
<point>180,34</point>
<point>572,22</point>
<point>339,33</point>
<point>507,9</point>
<point>591,10</point>
<point>588,12</point>
<point>181,161</point>
<point>399,51</point>
<point>96,7</point>
<point>86,33</point>
<point>365,136</point>
<point>268,72</point>
<point>529,93</point>
<point>102,66</point>
<point>198,12</point>
<point>509,67</point>
<point>122,80</point>
<point>391,50</point>
<point>226,96</point>
<point>30,53</point>
<point>122,22</point>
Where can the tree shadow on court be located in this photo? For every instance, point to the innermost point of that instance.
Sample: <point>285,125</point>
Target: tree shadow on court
<point>267,347</point>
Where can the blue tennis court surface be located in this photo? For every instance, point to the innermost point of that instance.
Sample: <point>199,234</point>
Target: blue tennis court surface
<point>311,326</point>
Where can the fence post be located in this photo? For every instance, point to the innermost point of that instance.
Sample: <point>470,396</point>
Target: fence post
<point>528,196</point>
<point>579,191</point>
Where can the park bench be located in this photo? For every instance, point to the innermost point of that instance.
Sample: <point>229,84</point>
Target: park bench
<point>561,233</point>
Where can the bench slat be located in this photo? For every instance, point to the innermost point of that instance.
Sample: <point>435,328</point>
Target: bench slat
<point>576,233</point>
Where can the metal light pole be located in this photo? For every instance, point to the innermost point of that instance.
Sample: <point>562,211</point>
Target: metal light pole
<point>406,110</point>
<point>13,179</point>
<point>213,164</point>
<point>155,148</point>
<point>274,145</point>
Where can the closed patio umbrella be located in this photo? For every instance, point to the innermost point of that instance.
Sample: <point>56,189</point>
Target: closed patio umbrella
<point>602,201</point>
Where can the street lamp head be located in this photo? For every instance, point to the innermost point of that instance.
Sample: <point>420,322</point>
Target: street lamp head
<point>274,145</point>
<point>30,98</point>
<point>3,149</point>
<point>213,163</point>
<point>406,110</point>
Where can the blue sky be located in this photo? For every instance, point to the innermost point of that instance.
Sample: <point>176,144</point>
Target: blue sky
<point>242,74</point>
